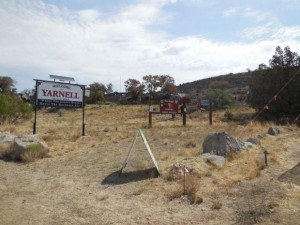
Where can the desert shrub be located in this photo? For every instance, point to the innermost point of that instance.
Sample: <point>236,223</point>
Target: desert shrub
<point>228,116</point>
<point>13,108</point>
<point>253,213</point>
<point>191,189</point>
<point>33,151</point>
<point>254,206</point>
<point>216,205</point>
<point>60,112</point>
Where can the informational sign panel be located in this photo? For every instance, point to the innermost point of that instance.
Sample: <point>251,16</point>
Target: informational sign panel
<point>169,106</point>
<point>55,94</point>
<point>204,102</point>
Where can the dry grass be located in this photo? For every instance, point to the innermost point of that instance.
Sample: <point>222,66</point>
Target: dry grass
<point>109,133</point>
<point>188,189</point>
<point>31,153</point>
<point>254,207</point>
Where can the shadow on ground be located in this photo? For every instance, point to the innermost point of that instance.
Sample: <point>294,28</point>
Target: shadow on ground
<point>126,177</point>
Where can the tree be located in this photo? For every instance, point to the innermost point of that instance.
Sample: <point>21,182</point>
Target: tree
<point>262,66</point>
<point>97,91</point>
<point>135,87</point>
<point>167,84</point>
<point>285,58</point>
<point>265,85</point>
<point>220,98</point>
<point>109,88</point>
<point>7,85</point>
<point>152,82</point>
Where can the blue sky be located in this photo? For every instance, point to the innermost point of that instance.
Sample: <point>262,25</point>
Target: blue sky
<point>111,39</point>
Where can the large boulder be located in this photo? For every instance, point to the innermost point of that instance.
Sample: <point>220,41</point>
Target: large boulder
<point>221,144</point>
<point>26,149</point>
<point>274,131</point>
<point>292,175</point>
<point>7,138</point>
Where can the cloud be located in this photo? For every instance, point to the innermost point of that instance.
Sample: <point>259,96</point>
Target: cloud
<point>258,15</point>
<point>230,12</point>
<point>40,39</point>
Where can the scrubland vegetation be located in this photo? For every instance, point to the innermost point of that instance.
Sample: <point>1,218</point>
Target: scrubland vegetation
<point>82,171</point>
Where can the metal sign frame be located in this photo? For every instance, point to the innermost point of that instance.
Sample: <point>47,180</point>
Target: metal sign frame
<point>139,133</point>
<point>57,103</point>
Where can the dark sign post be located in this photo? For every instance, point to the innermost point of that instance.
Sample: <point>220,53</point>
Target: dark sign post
<point>184,112</point>
<point>35,109</point>
<point>59,95</point>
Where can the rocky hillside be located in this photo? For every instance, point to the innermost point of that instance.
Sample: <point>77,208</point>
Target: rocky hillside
<point>238,81</point>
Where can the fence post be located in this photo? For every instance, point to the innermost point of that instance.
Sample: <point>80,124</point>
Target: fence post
<point>150,119</point>
<point>184,112</point>
<point>210,112</point>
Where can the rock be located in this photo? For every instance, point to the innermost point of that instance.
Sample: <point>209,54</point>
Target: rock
<point>274,131</point>
<point>7,138</point>
<point>248,145</point>
<point>221,144</point>
<point>292,175</point>
<point>262,136</point>
<point>215,159</point>
<point>253,140</point>
<point>27,149</point>
<point>176,171</point>
<point>205,155</point>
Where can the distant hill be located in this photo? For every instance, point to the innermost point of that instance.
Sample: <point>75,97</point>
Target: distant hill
<point>238,83</point>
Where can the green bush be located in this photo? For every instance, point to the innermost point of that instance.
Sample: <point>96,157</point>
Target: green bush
<point>13,108</point>
<point>220,98</point>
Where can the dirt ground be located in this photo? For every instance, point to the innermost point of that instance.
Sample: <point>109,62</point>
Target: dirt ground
<point>78,183</point>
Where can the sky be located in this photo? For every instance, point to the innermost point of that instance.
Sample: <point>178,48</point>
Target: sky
<point>110,41</point>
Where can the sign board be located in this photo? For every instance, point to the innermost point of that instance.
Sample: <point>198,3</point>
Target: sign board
<point>87,93</point>
<point>56,94</point>
<point>204,102</point>
<point>60,95</point>
<point>169,106</point>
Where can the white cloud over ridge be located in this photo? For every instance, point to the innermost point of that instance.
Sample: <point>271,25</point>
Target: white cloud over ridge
<point>43,39</point>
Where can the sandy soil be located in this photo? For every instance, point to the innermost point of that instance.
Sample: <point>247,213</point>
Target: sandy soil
<point>80,186</point>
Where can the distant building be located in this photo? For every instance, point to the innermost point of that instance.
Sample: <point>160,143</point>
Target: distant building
<point>118,97</point>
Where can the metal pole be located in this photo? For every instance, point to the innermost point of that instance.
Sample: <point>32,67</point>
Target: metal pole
<point>83,102</point>
<point>266,157</point>
<point>184,180</point>
<point>35,109</point>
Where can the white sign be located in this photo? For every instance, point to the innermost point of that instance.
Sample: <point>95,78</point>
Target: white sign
<point>57,94</point>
